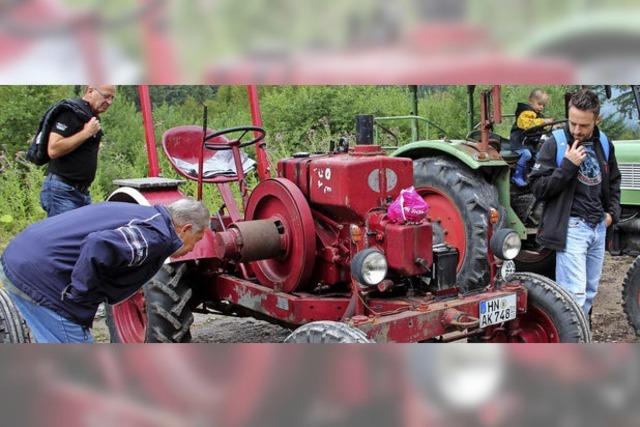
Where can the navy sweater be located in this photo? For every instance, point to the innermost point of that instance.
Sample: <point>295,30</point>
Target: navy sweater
<point>72,262</point>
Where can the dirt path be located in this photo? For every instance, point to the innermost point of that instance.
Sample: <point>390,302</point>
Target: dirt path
<point>609,322</point>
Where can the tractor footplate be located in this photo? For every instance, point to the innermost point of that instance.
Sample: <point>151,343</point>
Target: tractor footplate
<point>149,183</point>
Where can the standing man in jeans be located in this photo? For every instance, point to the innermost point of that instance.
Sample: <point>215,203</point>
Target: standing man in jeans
<point>577,177</point>
<point>73,148</point>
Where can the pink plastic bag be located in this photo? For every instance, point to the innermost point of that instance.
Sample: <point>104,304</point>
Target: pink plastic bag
<point>409,206</point>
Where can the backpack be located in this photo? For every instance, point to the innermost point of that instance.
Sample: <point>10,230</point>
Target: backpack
<point>561,145</point>
<point>37,151</point>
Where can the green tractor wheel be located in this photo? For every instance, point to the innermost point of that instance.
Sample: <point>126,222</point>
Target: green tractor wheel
<point>631,295</point>
<point>532,257</point>
<point>460,201</point>
<point>537,260</point>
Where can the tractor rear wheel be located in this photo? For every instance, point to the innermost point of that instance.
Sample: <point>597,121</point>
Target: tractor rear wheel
<point>532,257</point>
<point>631,295</point>
<point>537,260</point>
<point>13,328</point>
<point>552,315</point>
<point>327,332</point>
<point>158,313</point>
<point>459,202</point>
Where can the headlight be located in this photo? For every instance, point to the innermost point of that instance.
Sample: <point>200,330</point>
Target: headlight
<point>505,244</point>
<point>369,267</point>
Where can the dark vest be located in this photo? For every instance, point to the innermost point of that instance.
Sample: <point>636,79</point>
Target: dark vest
<point>517,134</point>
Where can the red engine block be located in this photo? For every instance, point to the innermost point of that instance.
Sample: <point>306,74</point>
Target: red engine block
<point>354,190</point>
<point>347,186</point>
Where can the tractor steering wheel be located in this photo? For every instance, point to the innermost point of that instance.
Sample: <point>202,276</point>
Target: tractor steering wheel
<point>533,135</point>
<point>542,129</point>
<point>227,146</point>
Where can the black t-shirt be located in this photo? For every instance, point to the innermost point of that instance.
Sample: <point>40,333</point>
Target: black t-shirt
<point>587,199</point>
<point>80,165</point>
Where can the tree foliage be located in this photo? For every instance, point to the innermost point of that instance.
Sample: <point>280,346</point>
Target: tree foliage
<point>22,109</point>
<point>297,118</point>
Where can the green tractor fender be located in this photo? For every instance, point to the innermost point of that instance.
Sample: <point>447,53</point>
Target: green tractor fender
<point>460,150</point>
<point>467,154</point>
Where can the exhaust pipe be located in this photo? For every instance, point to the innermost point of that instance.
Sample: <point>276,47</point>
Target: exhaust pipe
<point>364,129</point>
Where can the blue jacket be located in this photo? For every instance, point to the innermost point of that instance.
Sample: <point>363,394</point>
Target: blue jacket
<point>72,262</point>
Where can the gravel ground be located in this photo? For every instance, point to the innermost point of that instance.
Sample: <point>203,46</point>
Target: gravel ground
<point>609,321</point>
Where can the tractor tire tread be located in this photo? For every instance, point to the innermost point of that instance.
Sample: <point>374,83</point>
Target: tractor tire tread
<point>327,332</point>
<point>13,327</point>
<point>474,197</point>
<point>631,295</point>
<point>167,299</point>
<point>169,317</point>
<point>570,319</point>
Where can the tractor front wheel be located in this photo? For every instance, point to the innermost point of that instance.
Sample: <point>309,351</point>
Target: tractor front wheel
<point>327,332</point>
<point>631,295</point>
<point>536,259</point>
<point>158,313</point>
<point>552,315</point>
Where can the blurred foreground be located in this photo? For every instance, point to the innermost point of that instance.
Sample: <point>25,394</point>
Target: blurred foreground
<point>275,385</point>
<point>330,42</point>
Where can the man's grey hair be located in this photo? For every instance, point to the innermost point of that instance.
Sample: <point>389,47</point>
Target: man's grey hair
<point>190,211</point>
<point>585,100</point>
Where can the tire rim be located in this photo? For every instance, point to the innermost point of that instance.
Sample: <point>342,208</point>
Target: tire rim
<point>535,327</point>
<point>130,319</point>
<point>447,222</point>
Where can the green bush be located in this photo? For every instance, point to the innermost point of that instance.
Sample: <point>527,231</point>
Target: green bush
<point>19,198</point>
<point>22,109</point>
<point>297,118</point>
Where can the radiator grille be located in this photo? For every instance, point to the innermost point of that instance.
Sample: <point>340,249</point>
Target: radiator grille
<point>630,175</point>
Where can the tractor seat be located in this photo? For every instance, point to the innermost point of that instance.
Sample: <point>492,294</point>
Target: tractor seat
<point>503,145</point>
<point>182,146</point>
<point>495,140</point>
<point>510,157</point>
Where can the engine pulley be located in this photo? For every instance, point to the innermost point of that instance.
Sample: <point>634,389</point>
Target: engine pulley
<point>279,200</point>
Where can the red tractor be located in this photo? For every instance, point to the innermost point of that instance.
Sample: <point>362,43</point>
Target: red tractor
<point>314,248</point>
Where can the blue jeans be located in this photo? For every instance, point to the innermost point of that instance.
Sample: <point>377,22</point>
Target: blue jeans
<point>57,197</point>
<point>579,266</point>
<point>525,156</point>
<point>46,325</point>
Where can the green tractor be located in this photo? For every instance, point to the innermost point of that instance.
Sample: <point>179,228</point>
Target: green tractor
<point>467,184</point>
<point>625,236</point>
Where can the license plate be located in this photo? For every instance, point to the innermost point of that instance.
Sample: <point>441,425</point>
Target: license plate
<point>498,310</point>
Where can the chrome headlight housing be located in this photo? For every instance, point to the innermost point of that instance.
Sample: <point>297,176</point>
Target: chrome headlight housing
<point>369,267</point>
<point>505,244</point>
